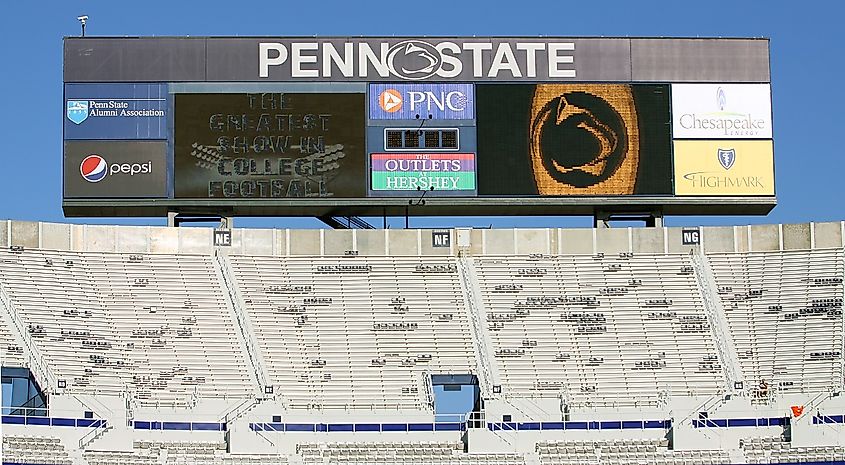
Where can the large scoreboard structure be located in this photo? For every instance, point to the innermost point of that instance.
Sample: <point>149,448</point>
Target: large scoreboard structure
<point>304,126</point>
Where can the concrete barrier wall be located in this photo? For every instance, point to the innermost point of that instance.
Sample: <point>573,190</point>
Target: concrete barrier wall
<point>157,239</point>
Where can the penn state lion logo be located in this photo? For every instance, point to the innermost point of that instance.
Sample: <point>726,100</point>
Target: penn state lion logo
<point>414,60</point>
<point>727,158</point>
<point>584,139</point>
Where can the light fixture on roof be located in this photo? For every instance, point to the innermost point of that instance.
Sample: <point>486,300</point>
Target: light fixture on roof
<point>82,20</point>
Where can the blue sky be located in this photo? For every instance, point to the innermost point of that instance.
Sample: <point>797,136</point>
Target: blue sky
<point>806,60</point>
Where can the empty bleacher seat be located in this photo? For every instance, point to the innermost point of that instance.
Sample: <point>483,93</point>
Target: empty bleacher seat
<point>598,329</point>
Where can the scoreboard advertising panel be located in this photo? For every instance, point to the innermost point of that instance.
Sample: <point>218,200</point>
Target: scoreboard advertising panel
<point>723,140</point>
<point>518,140</point>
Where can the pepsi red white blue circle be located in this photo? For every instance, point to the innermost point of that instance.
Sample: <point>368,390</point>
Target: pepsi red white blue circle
<point>93,168</point>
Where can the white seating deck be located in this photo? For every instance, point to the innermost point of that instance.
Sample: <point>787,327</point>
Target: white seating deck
<point>388,453</point>
<point>599,329</point>
<point>776,450</point>
<point>35,450</point>
<point>784,310</point>
<point>156,453</point>
<point>625,451</point>
<point>11,354</point>
<point>125,316</point>
<point>360,337</point>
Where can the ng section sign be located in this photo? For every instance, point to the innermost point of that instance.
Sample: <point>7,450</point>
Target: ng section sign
<point>724,167</point>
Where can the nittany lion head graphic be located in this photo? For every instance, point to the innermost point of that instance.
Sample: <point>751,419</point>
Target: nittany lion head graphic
<point>584,139</point>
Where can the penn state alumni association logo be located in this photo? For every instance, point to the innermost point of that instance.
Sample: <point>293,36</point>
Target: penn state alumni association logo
<point>727,158</point>
<point>77,110</point>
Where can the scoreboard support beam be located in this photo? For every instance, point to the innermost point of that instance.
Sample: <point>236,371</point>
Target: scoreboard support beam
<point>175,219</point>
<point>652,219</point>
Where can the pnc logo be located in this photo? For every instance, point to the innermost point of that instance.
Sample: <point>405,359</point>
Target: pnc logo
<point>93,168</point>
<point>390,101</point>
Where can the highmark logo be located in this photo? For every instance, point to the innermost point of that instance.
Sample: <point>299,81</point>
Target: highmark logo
<point>720,180</point>
<point>727,157</point>
<point>390,101</point>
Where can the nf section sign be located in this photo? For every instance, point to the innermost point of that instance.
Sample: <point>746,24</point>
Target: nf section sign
<point>313,126</point>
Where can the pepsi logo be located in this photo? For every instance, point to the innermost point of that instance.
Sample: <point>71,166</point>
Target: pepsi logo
<point>93,168</point>
<point>390,101</point>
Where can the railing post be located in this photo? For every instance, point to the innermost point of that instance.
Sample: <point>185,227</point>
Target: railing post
<point>720,329</point>
<point>34,359</point>
<point>472,299</point>
<point>241,318</point>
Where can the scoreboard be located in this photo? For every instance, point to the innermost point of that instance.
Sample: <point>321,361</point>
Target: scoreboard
<point>358,126</point>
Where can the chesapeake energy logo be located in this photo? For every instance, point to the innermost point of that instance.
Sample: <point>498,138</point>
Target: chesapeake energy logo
<point>417,59</point>
<point>728,123</point>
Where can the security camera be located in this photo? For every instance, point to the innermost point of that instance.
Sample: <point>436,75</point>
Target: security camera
<point>82,19</point>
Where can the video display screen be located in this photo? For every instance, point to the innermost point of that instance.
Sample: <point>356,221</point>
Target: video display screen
<point>573,139</point>
<point>269,145</point>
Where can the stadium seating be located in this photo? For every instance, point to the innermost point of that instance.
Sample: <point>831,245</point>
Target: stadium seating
<point>777,450</point>
<point>598,329</point>
<point>445,453</point>
<point>10,352</point>
<point>627,451</point>
<point>784,310</point>
<point>125,315</point>
<point>349,345</point>
<point>34,450</point>
<point>356,333</point>
<point>155,452</point>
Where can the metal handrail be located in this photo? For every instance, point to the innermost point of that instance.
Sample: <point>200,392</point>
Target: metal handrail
<point>719,327</point>
<point>240,317</point>
<point>35,360</point>
<point>470,288</point>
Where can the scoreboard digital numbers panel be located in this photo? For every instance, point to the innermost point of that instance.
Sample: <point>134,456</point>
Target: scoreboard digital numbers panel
<point>269,145</point>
